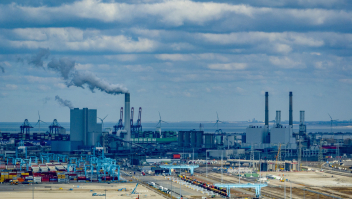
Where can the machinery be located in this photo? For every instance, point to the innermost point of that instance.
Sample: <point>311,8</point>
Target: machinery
<point>26,127</point>
<point>277,156</point>
<point>119,125</point>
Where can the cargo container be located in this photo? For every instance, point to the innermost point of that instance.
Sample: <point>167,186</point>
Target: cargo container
<point>176,156</point>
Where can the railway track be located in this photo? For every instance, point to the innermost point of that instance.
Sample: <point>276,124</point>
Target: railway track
<point>264,192</point>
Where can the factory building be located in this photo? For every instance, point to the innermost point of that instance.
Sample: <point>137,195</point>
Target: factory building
<point>84,129</point>
<point>259,134</point>
<point>190,139</point>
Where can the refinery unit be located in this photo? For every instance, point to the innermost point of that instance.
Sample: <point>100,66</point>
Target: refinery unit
<point>91,154</point>
<point>127,136</point>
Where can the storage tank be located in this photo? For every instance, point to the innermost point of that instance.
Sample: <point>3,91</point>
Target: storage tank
<point>180,138</point>
<point>209,141</point>
<point>187,139</point>
<point>200,138</point>
<point>193,139</point>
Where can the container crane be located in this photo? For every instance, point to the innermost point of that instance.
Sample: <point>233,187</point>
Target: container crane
<point>139,121</point>
<point>119,125</point>
<point>26,127</point>
<point>55,127</point>
<point>138,126</point>
<point>132,113</point>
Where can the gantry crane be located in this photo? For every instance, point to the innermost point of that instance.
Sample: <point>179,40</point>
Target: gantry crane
<point>119,125</point>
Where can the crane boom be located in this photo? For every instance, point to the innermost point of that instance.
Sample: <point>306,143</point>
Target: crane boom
<point>277,156</point>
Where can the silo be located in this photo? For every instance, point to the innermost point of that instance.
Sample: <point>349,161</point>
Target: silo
<point>193,139</point>
<point>187,138</point>
<point>180,138</point>
<point>200,138</point>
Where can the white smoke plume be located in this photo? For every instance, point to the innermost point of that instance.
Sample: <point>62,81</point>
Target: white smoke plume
<point>66,68</point>
<point>2,69</point>
<point>93,82</point>
<point>63,102</point>
<point>46,99</point>
<point>37,59</point>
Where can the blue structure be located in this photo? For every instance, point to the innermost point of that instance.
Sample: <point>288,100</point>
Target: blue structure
<point>249,185</point>
<point>190,167</point>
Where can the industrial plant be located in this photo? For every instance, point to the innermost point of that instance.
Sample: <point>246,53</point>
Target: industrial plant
<point>91,153</point>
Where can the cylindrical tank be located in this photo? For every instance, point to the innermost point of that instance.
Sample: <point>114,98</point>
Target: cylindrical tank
<point>200,138</point>
<point>187,139</point>
<point>180,138</point>
<point>93,138</point>
<point>193,139</point>
<point>209,141</point>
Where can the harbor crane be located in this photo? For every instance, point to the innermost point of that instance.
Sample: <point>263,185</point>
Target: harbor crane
<point>119,125</point>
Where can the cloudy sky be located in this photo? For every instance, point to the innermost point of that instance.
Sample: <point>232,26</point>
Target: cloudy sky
<point>186,59</point>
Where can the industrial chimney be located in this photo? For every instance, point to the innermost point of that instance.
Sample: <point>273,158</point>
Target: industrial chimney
<point>278,118</point>
<point>301,118</point>
<point>266,108</point>
<point>290,111</point>
<point>127,117</point>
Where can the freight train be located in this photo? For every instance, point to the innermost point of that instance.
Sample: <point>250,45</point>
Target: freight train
<point>210,187</point>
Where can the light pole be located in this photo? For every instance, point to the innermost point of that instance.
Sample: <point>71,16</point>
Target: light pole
<point>222,151</point>
<point>285,188</point>
<point>239,166</point>
<point>171,187</point>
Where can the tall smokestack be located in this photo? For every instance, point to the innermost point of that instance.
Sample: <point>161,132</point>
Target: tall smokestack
<point>290,111</point>
<point>266,108</point>
<point>301,117</point>
<point>127,117</point>
<point>278,117</point>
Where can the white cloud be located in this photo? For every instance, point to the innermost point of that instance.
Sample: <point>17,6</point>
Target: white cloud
<point>33,79</point>
<point>283,48</point>
<point>168,12</point>
<point>141,90</point>
<point>315,53</point>
<point>44,87</point>
<point>286,62</point>
<point>11,86</point>
<point>63,39</point>
<point>79,66</point>
<point>174,57</point>
<point>60,85</point>
<point>138,68</point>
<point>192,57</point>
<point>229,66</point>
<point>282,38</point>
<point>123,57</point>
<point>349,81</point>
